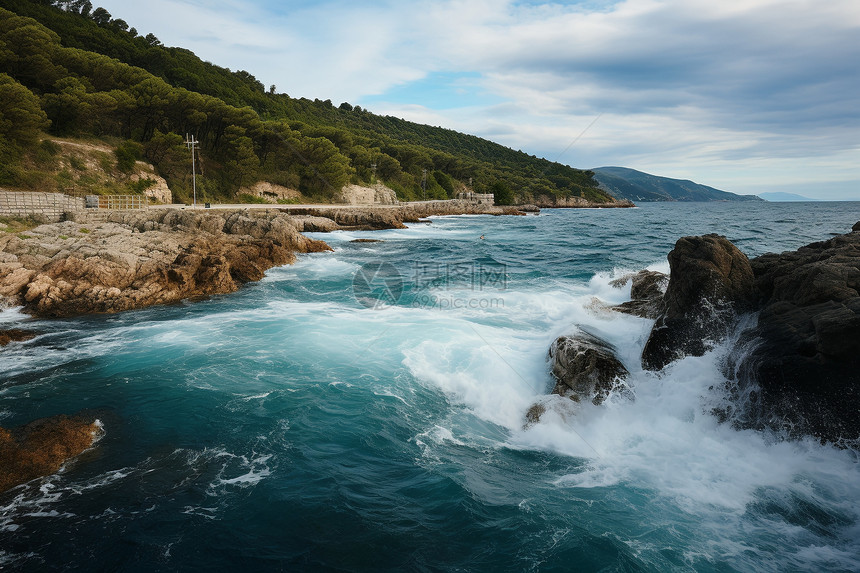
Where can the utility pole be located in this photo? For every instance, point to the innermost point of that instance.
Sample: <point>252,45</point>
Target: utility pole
<point>191,144</point>
<point>373,168</point>
<point>424,183</point>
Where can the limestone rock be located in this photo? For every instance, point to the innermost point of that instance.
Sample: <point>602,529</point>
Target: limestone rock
<point>585,368</point>
<point>271,191</point>
<point>578,202</point>
<point>137,259</point>
<point>158,191</point>
<point>375,217</point>
<point>710,282</point>
<point>378,194</point>
<point>311,224</point>
<point>365,219</point>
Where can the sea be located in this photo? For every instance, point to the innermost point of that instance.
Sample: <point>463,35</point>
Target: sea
<point>365,410</point>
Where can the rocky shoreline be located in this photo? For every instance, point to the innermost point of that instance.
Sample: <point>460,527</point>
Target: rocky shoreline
<point>797,368</point>
<point>580,203</point>
<point>138,259</point>
<point>135,259</point>
<point>795,371</point>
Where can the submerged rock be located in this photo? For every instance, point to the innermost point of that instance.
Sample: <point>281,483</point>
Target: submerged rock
<point>534,413</point>
<point>710,282</point>
<point>15,335</point>
<point>646,293</point>
<point>585,368</point>
<point>41,447</point>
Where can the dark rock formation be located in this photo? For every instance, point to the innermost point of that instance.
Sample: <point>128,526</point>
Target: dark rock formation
<point>646,294</point>
<point>15,335</point>
<point>710,282</point>
<point>41,447</point>
<point>806,351</point>
<point>800,365</point>
<point>585,367</point>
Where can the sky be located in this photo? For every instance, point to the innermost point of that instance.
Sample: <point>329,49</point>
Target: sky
<point>748,96</point>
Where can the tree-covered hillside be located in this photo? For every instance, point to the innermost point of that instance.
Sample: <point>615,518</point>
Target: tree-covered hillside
<point>76,71</point>
<point>626,183</point>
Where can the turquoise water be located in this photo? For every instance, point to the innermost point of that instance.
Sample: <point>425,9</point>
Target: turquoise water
<point>318,422</point>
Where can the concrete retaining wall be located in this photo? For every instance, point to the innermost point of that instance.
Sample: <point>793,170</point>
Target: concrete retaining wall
<point>480,199</point>
<point>48,206</point>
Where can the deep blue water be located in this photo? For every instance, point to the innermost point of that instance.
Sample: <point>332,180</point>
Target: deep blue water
<point>303,424</point>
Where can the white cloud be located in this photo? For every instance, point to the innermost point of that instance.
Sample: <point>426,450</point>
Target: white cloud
<point>739,93</point>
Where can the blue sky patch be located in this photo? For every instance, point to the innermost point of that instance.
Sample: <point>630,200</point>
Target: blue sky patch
<point>438,91</point>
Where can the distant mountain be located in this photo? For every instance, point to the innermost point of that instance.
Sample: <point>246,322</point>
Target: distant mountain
<point>780,196</point>
<point>624,183</point>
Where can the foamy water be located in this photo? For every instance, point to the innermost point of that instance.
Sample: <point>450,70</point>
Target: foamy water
<point>291,426</point>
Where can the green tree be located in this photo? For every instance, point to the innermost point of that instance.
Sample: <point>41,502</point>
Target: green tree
<point>150,101</point>
<point>171,158</point>
<point>387,167</point>
<point>323,170</point>
<point>101,16</point>
<point>21,116</point>
<point>242,164</point>
<point>127,154</point>
<point>444,182</point>
<point>67,108</point>
<point>27,51</point>
<point>502,194</point>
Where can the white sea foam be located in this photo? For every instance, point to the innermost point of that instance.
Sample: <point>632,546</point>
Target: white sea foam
<point>255,469</point>
<point>490,365</point>
<point>319,264</point>
<point>439,435</point>
<point>665,440</point>
<point>12,315</point>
